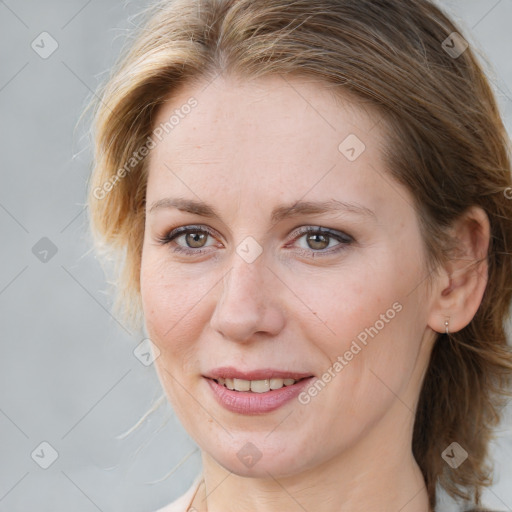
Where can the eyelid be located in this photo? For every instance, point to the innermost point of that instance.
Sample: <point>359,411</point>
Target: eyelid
<point>175,232</point>
<point>322,230</point>
<point>301,230</point>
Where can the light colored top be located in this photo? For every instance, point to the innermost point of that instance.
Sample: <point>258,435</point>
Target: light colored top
<point>184,502</point>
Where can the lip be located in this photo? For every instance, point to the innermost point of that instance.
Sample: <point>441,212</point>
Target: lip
<point>230,372</point>
<point>250,403</point>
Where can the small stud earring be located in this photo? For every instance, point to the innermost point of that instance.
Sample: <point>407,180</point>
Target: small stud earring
<point>446,323</point>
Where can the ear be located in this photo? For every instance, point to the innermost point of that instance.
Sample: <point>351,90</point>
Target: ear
<point>461,283</point>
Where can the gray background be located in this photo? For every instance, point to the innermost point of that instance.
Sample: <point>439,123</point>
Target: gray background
<point>68,374</point>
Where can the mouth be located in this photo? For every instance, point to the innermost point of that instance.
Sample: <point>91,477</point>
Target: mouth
<point>255,381</point>
<point>250,396</point>
<point>256,386</point>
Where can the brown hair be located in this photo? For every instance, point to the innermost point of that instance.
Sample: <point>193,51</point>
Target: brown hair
<point>447,145</point>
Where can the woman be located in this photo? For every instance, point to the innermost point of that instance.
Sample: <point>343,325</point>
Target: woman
<point>307,202</point>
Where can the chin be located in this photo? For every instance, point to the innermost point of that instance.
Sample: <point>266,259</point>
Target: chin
<point>256,460</point>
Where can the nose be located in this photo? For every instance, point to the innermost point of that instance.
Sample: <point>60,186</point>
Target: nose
<point>248,302</point>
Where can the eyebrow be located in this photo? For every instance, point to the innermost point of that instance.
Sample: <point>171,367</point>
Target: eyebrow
<point>278,214</point>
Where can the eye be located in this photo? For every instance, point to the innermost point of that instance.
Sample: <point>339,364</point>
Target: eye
<point>317,240</point>
<point>193,239</point>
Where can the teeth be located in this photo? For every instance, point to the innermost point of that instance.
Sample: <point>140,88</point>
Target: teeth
<point>256,386</point>
<point>276,383</point>
<point>259,386</point>
<point>242,385</point>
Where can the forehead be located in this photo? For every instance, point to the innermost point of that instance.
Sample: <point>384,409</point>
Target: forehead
<point>274,136</point>
<point>291,109</point>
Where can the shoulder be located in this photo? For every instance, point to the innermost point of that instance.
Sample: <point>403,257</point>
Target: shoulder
<point>479,510</point>
<point>182,503</point>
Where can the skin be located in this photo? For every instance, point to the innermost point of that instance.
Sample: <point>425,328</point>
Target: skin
<point>246,148</point>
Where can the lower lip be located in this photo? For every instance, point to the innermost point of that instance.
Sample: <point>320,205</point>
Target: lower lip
<point>243,402</point>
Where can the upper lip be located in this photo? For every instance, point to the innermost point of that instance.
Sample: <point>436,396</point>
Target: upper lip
<point>229,372</point>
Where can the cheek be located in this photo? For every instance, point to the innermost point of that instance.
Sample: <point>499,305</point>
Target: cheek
<point>168,300</point>
<point>171,304</point>
<point>366,316</point>
<point>169,295</point>
<point>345,301</point>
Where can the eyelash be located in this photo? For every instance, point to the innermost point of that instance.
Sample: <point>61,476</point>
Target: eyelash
<point>344,239</point>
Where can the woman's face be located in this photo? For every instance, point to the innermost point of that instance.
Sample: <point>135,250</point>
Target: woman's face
<point>304,257</point>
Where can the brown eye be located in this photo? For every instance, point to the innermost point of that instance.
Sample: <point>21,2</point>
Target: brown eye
<point>317,241</point>
<point>189,240</point>
<point>196,239</point>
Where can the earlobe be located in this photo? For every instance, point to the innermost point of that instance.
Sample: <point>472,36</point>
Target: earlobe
<point>447,326</point>
<point>467,271</point>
